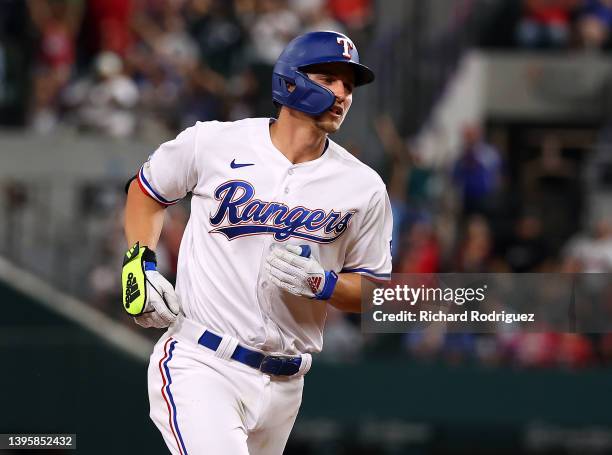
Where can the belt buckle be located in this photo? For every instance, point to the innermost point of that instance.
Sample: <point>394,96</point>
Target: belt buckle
<point>274,364</point>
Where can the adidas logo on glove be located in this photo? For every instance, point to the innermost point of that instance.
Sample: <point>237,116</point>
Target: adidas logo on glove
<point>131,290</point>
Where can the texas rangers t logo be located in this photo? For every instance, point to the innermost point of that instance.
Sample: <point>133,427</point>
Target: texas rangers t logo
<point>347,44</point>
<point>248,216</point>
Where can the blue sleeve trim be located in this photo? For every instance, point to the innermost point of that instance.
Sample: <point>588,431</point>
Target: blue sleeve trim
<point>368,271</point>
<point>153,192</point>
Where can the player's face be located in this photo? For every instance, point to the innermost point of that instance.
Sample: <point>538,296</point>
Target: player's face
<point>340,79</point>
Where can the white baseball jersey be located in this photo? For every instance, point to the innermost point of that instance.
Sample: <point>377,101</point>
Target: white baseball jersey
<point>246,196</point>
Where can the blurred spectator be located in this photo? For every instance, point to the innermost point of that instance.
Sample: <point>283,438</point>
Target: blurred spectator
<point>550,180</point>
<point>176,88</point>
<point>475,248</point>
<point>408,181</point>
<point>170,40</point>
<point>107,26</point>
<point>426,344</point>
<point>356,15</point>
<point>545,24</point>
<point>591,253</point>
<point>528,250</point>
<point>105,102</point>
<point>315,15</point>
<point>530,350</point>
<point>274,26</point>
<point>549,166</point>
<point>219,36</point>
<point>271,25</point>
<point>477,172</point>
<point>160,88</point>
<point>488,350</point>
<point>399,174</point>
<point>433,343</point>
<point>57,23</point>
<point>246,10</point>
<point>594,24</point>
<point>546,350</point>
<point>421,250</point>
<point>459,348</point>
<point>575,351</point>
<point>244,91</point>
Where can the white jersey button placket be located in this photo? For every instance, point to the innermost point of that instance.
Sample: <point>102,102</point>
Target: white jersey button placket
<point>272,332</point>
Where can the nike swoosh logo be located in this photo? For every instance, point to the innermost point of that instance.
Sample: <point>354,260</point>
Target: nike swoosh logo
<point>235,165</point>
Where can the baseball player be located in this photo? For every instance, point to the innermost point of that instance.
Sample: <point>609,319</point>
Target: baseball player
<point>284,222</point>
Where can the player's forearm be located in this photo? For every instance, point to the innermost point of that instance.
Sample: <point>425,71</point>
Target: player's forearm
<point>144,218</point>
<point>347,294</point>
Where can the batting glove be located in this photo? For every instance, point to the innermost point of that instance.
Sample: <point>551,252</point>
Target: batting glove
<point>293,269</point>
<point>147,295</point>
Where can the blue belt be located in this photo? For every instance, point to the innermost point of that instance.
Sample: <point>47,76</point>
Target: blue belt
<point>269,364</point>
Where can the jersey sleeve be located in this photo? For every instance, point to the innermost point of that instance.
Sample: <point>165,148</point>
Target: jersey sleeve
<point>370,252</point>
<point>171,172</point>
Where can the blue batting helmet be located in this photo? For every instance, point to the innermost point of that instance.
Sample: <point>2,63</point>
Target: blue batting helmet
<point>311,49</point>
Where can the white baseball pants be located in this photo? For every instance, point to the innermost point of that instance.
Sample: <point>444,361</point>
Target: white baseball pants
<point>203,404</point>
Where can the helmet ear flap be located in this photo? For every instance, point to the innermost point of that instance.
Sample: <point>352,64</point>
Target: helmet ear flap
<point>312,98</point>
<point>307,96</point>
<point>281,85</point>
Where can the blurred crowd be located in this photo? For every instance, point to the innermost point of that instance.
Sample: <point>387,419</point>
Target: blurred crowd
<point>149,67</point>
<point>153,67</point>
<point>473,217</point>
<point>560,24</point>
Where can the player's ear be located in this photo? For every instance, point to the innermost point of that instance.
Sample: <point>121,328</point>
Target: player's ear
<point>290,86</point>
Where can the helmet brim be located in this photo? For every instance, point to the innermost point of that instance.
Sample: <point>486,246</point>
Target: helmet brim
<point>363,74</point>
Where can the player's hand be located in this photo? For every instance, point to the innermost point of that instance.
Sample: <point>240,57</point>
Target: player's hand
<point>147,295</point>
<point>292,268</point>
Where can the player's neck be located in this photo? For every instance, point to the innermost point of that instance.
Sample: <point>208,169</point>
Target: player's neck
<point>297,139</point>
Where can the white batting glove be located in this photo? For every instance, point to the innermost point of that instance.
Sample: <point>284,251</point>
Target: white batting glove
<point>292,268</point>
<point>162,306</point>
